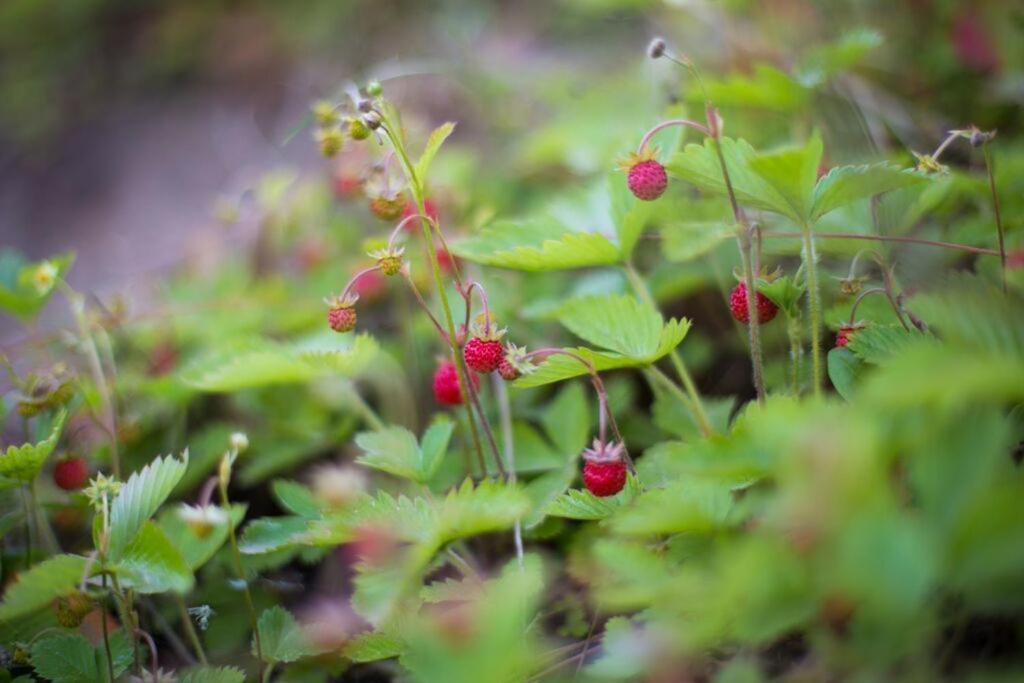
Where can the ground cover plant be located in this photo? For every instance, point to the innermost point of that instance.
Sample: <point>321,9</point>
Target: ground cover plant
<point>429,428</point>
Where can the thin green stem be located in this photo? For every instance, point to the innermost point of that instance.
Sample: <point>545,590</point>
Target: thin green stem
<point>106,635</point>
<point>814,304</point>
<point>995,207</point>
<point>240,572</point>
<point>694,401</point>
<point>190,629</point>
<point>796,352</point>
<point>365,411</point>
<point>505,416</point>
<point>416,187</point>
<point>28,527</point>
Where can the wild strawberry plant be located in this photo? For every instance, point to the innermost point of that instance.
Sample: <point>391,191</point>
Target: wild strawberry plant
<point>496,457</point>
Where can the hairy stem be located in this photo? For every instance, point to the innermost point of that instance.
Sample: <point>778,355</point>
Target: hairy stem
<point>505,416</point>
<point>415,185</point>
<point>236,557</point>
<point>814,304</point>
<point>796,352</point>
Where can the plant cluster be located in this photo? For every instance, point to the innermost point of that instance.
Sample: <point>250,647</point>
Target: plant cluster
<point>856,514</point>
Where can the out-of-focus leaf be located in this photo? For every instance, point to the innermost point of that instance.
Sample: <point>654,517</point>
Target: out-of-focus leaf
<point>22,463</point>
<point>41,584</point>
<point>434,142</point>
<point>537,247</point>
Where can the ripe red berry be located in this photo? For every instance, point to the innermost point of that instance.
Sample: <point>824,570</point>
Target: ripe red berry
<point>846,332</point>
<point>604,478</point>
<point>647,179</point>
<point>71,474</point>
<point>446,384</point>
<point>483,355</point>
<point>347,185</point>
<point>411,210</point>
<point>342,318</point>
<point>766,308</point>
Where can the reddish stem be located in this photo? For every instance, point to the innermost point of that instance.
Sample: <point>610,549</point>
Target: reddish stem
<point>352,282</point>
<point>666,124</point>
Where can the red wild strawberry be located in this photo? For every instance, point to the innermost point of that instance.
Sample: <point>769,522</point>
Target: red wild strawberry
<point>446,384</point>
<point>846,332</point>
<point>347,185</point>
<point>604,473</point>
<point>411,210</point>
<point>483,354</point>
<point>515,364</point>
<point>766,308</point>
<point>71,474</point>
<point>646,177</point>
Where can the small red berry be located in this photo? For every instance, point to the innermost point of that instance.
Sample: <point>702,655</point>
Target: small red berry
<point>604,478</point>
<point>766,308</point>
<point>846,332</point>
<point>445,261</point>
<point>411,210</point>
<point>71,474</point>
<point>446,384</point>
<point>508,371</point>
<point>347,185</point>
<point>483,355</point>
<point>342,318</point>
<point>647,179</point>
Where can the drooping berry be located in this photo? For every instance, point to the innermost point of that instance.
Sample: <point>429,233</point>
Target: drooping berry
<point>71,474</point>
<point>387,207</point>
<point>446,384</point>
<point>846,332</point>
<point>358,129</point>
<point>604,473</point>
<point>648,180</point>
<point>483,355</point>
<point>341,313</point>
<point>412,210</point>
<point>766,308</point>
<point>508,371</point>
<point>347,185</point>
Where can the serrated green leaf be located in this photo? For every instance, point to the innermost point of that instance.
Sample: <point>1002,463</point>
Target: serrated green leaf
<point>23,463</point>
<point>65,658</point>
<point>70,658</point>
<point>434,142</point>
<point>41,584</point>
<point>140,497</point>
<point>681,508</point>
<point>878,343</point>
<point>373,647</point>
<point>224,674</point>
<point>584,505</point>
<point>152,564</point>
<point>683,241</point>
<point>537,247</point>
<point>617,323</point>
<point>792,173</point>
<point>847,184</point>
<point>268,534</point>
<point>394,450</point>
<point>699,165</point>
<point>281,637</point>
<point>558,367</point>
<point>267,364</point>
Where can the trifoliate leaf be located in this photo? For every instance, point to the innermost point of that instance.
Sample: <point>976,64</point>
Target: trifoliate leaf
<point>140,497</point>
